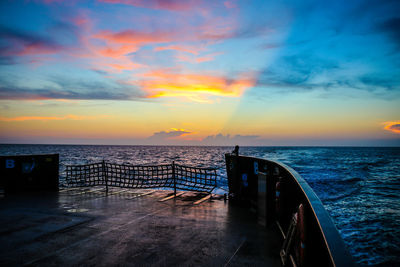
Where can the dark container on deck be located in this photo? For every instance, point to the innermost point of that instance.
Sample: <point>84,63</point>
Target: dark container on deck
<point>29,173</point>
<point>243,180</point>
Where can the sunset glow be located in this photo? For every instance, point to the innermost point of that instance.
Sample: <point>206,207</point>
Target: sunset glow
<point>200,72</point>
<point>393,126</point>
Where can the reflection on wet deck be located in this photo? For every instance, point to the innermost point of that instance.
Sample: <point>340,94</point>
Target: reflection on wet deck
<point>131,227</point>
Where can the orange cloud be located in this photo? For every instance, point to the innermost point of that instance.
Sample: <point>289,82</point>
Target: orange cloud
<point>116,52</point>
<point>193,86</point>
<point>44,118</point>
<point>392,126</point>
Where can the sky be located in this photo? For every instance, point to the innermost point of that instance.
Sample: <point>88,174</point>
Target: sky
<point>152,72</point>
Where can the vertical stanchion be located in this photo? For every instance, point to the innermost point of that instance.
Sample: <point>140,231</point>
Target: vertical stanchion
<point>105,176</point>
<point>173,176</point>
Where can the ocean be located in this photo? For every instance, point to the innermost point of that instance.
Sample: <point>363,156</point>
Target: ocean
<point>359,186</point>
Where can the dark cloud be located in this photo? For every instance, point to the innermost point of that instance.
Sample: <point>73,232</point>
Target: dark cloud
<point>305,71</point>
<point>16,93</point>
<point>392,27</point>
<point>270,46</point>
<point>67,88</point>
<point>395,127</point>
<point>14,43</point>
<point>6,60</point>
<point>228,140</point>
<point>172,138</point>
<point>389,83</point>
<point>333,46</point>
<point>17,43</point>
<point>65,32</point>
<point>166,137</point>
<point>246,31</point>
<point>100,72</point>
<point>296,71</point>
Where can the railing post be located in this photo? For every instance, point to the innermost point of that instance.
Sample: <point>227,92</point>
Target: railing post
<point>173,176</point>
<point>105,175</point>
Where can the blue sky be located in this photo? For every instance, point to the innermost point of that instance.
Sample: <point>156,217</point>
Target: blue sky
<point>200,72</point>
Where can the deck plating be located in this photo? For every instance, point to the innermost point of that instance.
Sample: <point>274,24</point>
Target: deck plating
<point>131,227</point>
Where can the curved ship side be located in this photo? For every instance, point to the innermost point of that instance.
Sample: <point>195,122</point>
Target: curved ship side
<point>275,192</point>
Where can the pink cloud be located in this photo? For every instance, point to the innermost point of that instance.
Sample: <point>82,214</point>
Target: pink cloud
<point>133,37</point>
<point>105,45</point>
<point>230,4</point>
<point>122,43</point>
<point>112,52</point>
<point>37,48</point>
<point>81,20</point>
<point>204,59</point>
<point>172,5</point>
<point>216,29</point>
<point>51,1</point>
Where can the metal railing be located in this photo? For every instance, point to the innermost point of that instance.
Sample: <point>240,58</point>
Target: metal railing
<point>142,176</point>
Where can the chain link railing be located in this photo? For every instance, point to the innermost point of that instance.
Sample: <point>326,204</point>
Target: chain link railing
<point>129,176</point>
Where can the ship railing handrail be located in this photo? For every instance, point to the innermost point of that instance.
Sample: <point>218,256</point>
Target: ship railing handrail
<point>337,250</point>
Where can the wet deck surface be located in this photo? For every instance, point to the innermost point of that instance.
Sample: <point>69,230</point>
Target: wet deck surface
<point>131,227</point>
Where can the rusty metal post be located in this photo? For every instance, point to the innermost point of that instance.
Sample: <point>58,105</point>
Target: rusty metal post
<point>173,176</point>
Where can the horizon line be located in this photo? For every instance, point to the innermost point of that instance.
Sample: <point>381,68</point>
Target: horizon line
<point>199,145</point>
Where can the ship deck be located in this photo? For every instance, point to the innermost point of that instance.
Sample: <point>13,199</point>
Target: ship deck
<point>131,227</point>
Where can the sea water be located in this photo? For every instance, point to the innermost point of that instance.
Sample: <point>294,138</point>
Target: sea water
<point>359,187</point>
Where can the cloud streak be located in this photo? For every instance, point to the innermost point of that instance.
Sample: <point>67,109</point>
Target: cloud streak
<point>51,118</point>
<point>171,5</point>
<point>163,83</point>
<point>188,49</point>
<point>71,89</point>
<point>177,137</point>
<point>228,140</point>
<point>165,136</point>
<point>15,43</point>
